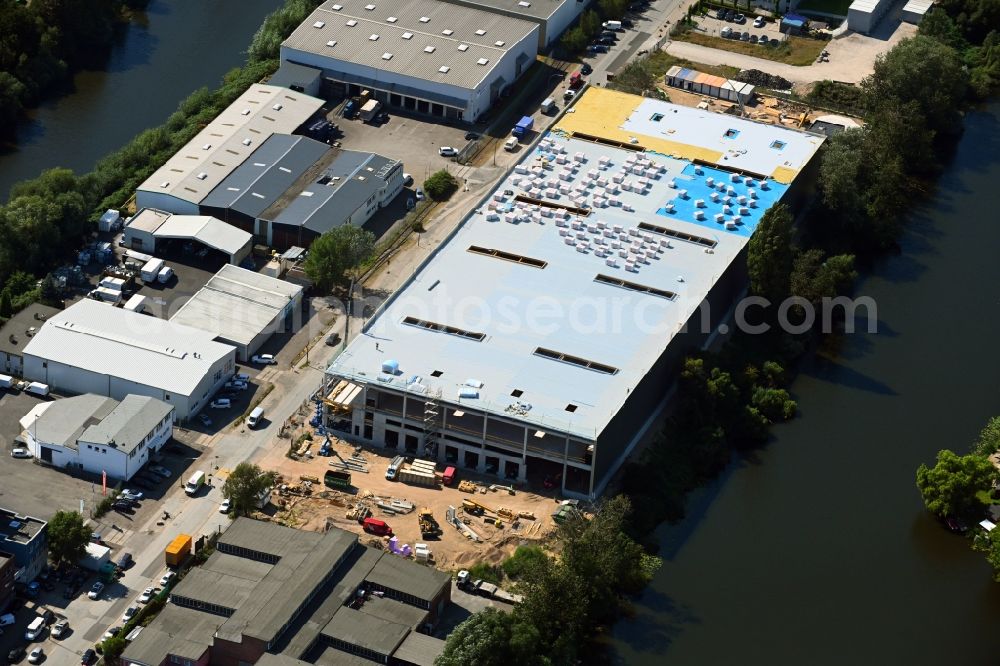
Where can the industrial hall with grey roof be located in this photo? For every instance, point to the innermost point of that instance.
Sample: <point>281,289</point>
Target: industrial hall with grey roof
<point>271,594</point>
<point>426,56</point>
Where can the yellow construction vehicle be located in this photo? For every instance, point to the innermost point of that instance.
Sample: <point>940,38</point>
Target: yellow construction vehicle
<point>476,509</point>
<point>429,527</point>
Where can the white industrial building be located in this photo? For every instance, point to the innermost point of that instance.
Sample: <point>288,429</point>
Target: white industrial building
<point>864,15</point>
<point>150,226</point>
<point>915,10</point>
<point>196,169</point>
<point>552,16</point>
<point>97,434</point>
<point>243,308</point>
<point>539,341</point>
<point>92,347</point>
<point>426,56</point>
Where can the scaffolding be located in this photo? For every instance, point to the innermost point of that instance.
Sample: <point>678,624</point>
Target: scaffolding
<point>433,421</point>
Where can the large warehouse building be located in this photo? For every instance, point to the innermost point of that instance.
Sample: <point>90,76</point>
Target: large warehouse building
<point>243,308</point>
<point>271,594</point>
<point>233,136</point>
<point>295,189</point>
<point>92,347</point>
<point>150,229</point>
<point>591,262</point>
<point>426,56</point>
<point>552,16</point>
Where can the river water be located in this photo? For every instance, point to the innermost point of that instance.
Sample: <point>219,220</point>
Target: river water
<point>177,47</point>
<point>819,551</point>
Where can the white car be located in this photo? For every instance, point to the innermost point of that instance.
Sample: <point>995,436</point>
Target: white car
<point>264,359</point>
<point>20,453</point>
<point>168,578</point>
<point>36,656</point>
<point>407,180</point>
<point>135,495</point>
<point>95,591</point>
<point>129,613</point>
<point>758,22</point>
<point>447,151</point>
<point>236,386</point>
<point>241,377</point>
<point>60,628</point>
<point>224,507</point>
<point>111,633</point>
<point>148,594</point>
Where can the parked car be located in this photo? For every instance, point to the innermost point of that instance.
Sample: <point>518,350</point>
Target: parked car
<point>224,507</point>
<point>60,629</point>
<point>88,657</point>
<point>36,656</point>
<point>598,48</point>
<point>569,94</point>
<point>753,39</point>
<point>160,470</point>
<point>132,495</point>
<point>7,620</point>
<point>16,654</point>
<point>419,194</point>
<point>130,613</point>
<point>148,594</point>
<point>720,14</point>
<point>20,453</point>
<point>141,482</point>
<point>333,340</point>
<point>471,136</point>
<point>34,589</point>
<point>241,377</point>
<point>221,403</point>
<point>95,591</point>
<point>111,632</point>
<point>726,32</point>
<point>204,419</point>
<point>586,69</point>
<point>628,25</point>
<point>740,18</point>
<point>745,37</point>
<point>447,151</point>
<point>123,506</point>
<point>264,359</point>
<point>758,22</point>
<point>407,180</point>
<point>730,16</point>
<point>167,578</point>
<point>762,39</point>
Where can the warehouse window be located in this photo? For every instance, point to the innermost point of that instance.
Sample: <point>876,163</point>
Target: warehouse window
<point>657,117</point>
<point>517,393</point>
<point>778,145</point>
<point>571,408</point>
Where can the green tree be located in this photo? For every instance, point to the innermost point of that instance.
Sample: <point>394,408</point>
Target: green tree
<point>936,24</point>
<point>949,488</point>
<point>335,253</point>
<point>6,308</point>
<point>773,403</point>
<point>574,40</point>
<point>68,537</point>
<point>244,485</point>
<point>49,293</point>
<point>769,256</point>
<point>440,185</point>
<point>924,71</point>
<point>590,23</point>
<point>491,638</point>
<point>113,647</point>
<point>815,277</point>
<point>988,441</point>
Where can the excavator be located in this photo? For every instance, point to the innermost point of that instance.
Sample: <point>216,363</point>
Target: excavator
<point>429,528</point>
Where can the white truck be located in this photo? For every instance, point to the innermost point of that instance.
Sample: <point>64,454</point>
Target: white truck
<point>196,481</point>
<point>549,105</point>
<point>369,110</point>
<point>137,303</point>
<point>37,388</point>
<point>6,381</point>
<point>151,270</point>
<point>612,25</point>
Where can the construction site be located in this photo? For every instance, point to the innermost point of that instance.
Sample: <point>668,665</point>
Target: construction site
<point>459,518</point>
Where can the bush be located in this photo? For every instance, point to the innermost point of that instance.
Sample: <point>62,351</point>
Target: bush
<point>104,505</point>
<point>524,559</point>
<point>487,572</point>
<point>440,185</point>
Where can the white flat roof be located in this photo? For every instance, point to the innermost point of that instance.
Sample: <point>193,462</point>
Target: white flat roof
<point>556,336</point>
<point>229,139</point>
<point>237,304</point>
<point>100,338</point>
<point>918,6</point>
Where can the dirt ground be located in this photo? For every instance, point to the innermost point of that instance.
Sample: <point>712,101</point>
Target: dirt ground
<point>452,550</point>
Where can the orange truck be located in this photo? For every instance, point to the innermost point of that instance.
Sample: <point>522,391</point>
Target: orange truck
<point>178,550</point>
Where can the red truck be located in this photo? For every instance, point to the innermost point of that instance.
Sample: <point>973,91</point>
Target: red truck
<point>377,527</point>
<point>575,80</point>
<point>449,476</point>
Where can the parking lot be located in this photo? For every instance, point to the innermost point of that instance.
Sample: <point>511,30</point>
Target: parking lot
<point>714,27</point>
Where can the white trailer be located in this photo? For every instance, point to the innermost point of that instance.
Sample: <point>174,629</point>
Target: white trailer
<point>151,270</point>
<point>137,303</point>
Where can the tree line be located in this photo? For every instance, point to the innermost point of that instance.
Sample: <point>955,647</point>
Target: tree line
<point>43,42</point>
<point>576,38</point>
<point>46,219</point>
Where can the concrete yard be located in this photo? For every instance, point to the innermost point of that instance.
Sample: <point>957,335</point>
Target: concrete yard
<point>452,550</point>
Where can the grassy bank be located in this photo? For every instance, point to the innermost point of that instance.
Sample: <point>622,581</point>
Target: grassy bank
<point>798,51</point>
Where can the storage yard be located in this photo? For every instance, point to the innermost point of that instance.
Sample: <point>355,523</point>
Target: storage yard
<point>310,505</point>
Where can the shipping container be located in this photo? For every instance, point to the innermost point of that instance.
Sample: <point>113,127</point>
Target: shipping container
<point>337,479</point>
<point>418,477</point>
<point>178,550</point>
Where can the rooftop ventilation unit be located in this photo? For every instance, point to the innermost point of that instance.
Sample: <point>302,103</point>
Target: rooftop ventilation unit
<point>369,7</point>
<point>425,19</point>
<point>277,107</point>
<point>202,176</point>
<point>429,49</point>
<point>463,47</point>
<point>444,69</point>
<point>480,32</point>
<point>407,35</point>
<point>499,43</point>
<point>483,61</point>
<point>337,8</point>
<point>386,56</point>
<point>165,184</point>
<point>351,23</point>
<point>447,33</point>
<point>332,42</point>
<point>247,142</point>
<point>392,19</point>
<point>373,37</point>
<point>245,112</point>
<point>207,146</point>
<point>319,24</point>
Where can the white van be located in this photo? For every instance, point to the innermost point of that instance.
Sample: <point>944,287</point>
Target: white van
<point>511,144</point>
<point>196,481</point>
<point>37,388</point>
<point>165,274</point>
<point>612,25</point>
<point>549,105</point>
<point>34,629</point>
<point>6,381</point>
<point>255,416</point>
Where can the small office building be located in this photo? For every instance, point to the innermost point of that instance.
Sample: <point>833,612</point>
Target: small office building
<point>150,229</point>
<point>96,434</point>
<point>17,332</point>
<point>25,539</point>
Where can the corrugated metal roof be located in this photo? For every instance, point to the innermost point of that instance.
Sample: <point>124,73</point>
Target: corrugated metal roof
<point>99,338</point>
<point>206,230</point>
<point>416,47</point>
<point>237,304</point>
<point>918,6</point>
<point>61,422</point>
<point>198,167</point>
<point>128,423</point>
<point>257,183</point>
<point>542,9</point>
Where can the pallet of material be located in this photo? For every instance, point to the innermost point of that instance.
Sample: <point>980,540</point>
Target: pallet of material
<point>467,486</point>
